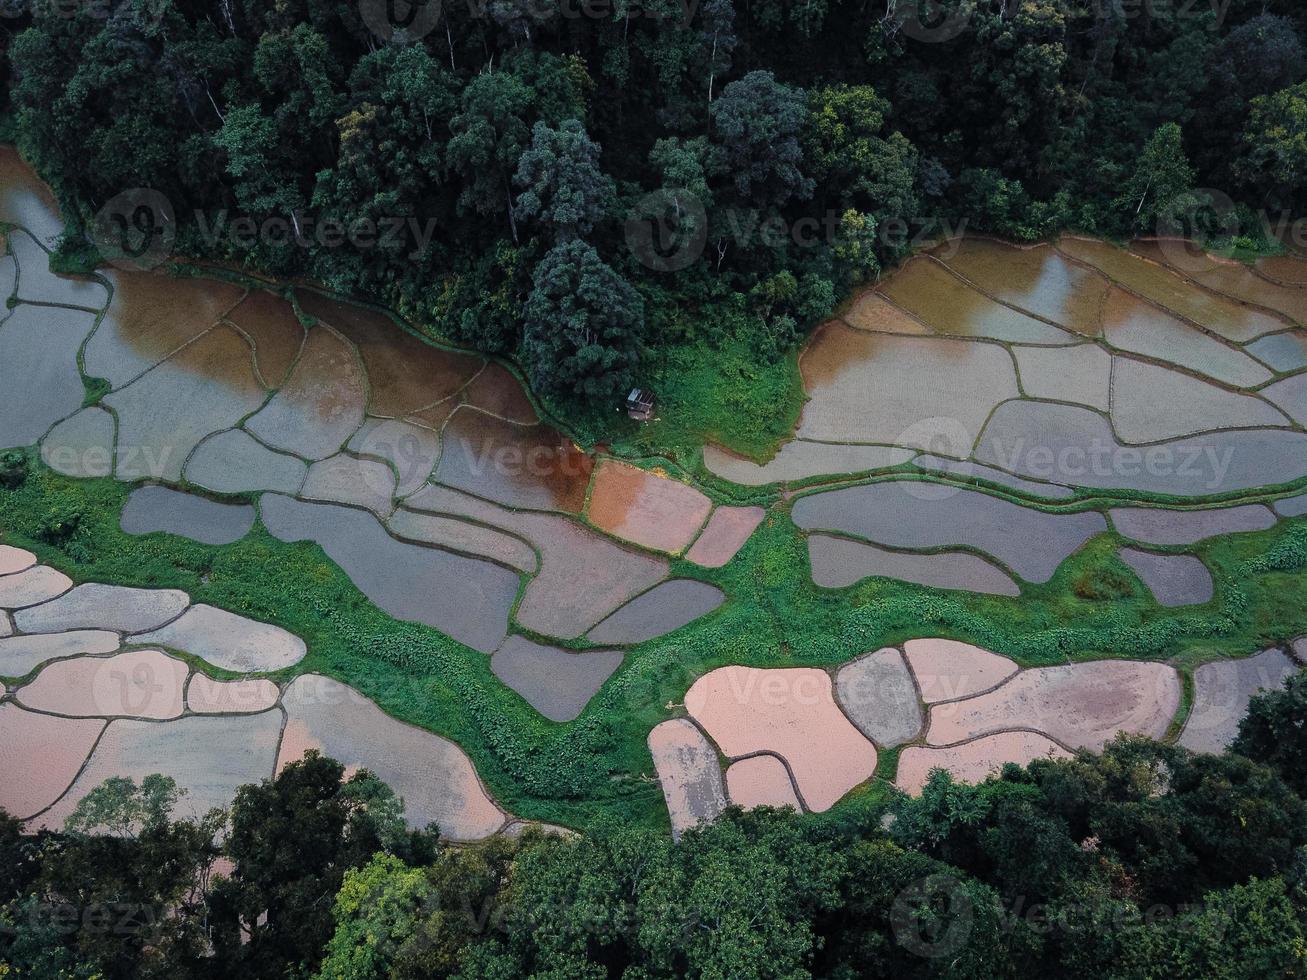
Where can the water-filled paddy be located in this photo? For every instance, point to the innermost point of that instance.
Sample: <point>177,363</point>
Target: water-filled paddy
<point>1035,388</point>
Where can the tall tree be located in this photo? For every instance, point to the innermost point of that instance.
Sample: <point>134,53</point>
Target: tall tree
<point>561,183</point>
<point>855,164</point>
<point>757,122</point>
<point>1161,178</point>
<point>584,325</point>
<point>1274,151</point>
<point>1261,56</point>
<point>292,839</point>
<point>717,40</point>
<point>389,164</point>
<point>490,132</point>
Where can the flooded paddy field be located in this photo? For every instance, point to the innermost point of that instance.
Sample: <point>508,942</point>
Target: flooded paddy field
<point>982,426</point>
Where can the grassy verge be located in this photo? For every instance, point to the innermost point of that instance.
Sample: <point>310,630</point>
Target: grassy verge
<point>706,393</point>
<point>775,617</point>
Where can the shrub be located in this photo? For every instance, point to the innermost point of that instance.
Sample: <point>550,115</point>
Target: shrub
<point>13,470</point>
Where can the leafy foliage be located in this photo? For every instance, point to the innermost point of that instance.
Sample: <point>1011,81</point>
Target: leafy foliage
<point>805,141</point>
<point>583,325</point>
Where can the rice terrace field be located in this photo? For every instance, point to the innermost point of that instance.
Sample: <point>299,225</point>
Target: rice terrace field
<point>1036,497</point>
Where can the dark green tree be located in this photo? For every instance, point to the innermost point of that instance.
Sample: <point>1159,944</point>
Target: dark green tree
<point>1274,150</point>
<point>757,122</point>
<point>1274,731</point>
<point>1162,177</point>
<point>124,887</point>
<point>855,163</point>
<point>717,40</point>
<point>561,185</point>
<point>291,841</point>
<point>490,131</point>
<point>583,327</point>
<point>389,163</point>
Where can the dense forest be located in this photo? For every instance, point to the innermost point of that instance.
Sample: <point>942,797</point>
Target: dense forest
<point>1145,861</point>
<point>586,184</point>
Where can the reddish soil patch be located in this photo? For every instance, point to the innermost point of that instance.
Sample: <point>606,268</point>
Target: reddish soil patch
<point>205,696</point>
<point>1081,705</point>
<point>1158,284</point>
<point>1037,279</point>
<point>1285,268</point>
<point>208,386</point>
<point>1234,279</point>
<point>972,762</point>
<point>40,757</point>
<point>138,684</point>
<point>881,388</point>
<point>761,780</point>
<point>727,531</point>
<point>496,391</point>
<point>209,756</point>
<point>925,288</point>
<point>433,775</point>
<point>435,416</point>
<point>404,373</point>
<point>150,317</point>
<point>321,404</point>
<point>37,584</point>
<point>947,669</point>
<point>15,560</point>
<point>270,323</point>
<point>789,712</point>
<point>644,508</point>
<point>25,200</point>
<point>517,465</point>
<point>873,312</point>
